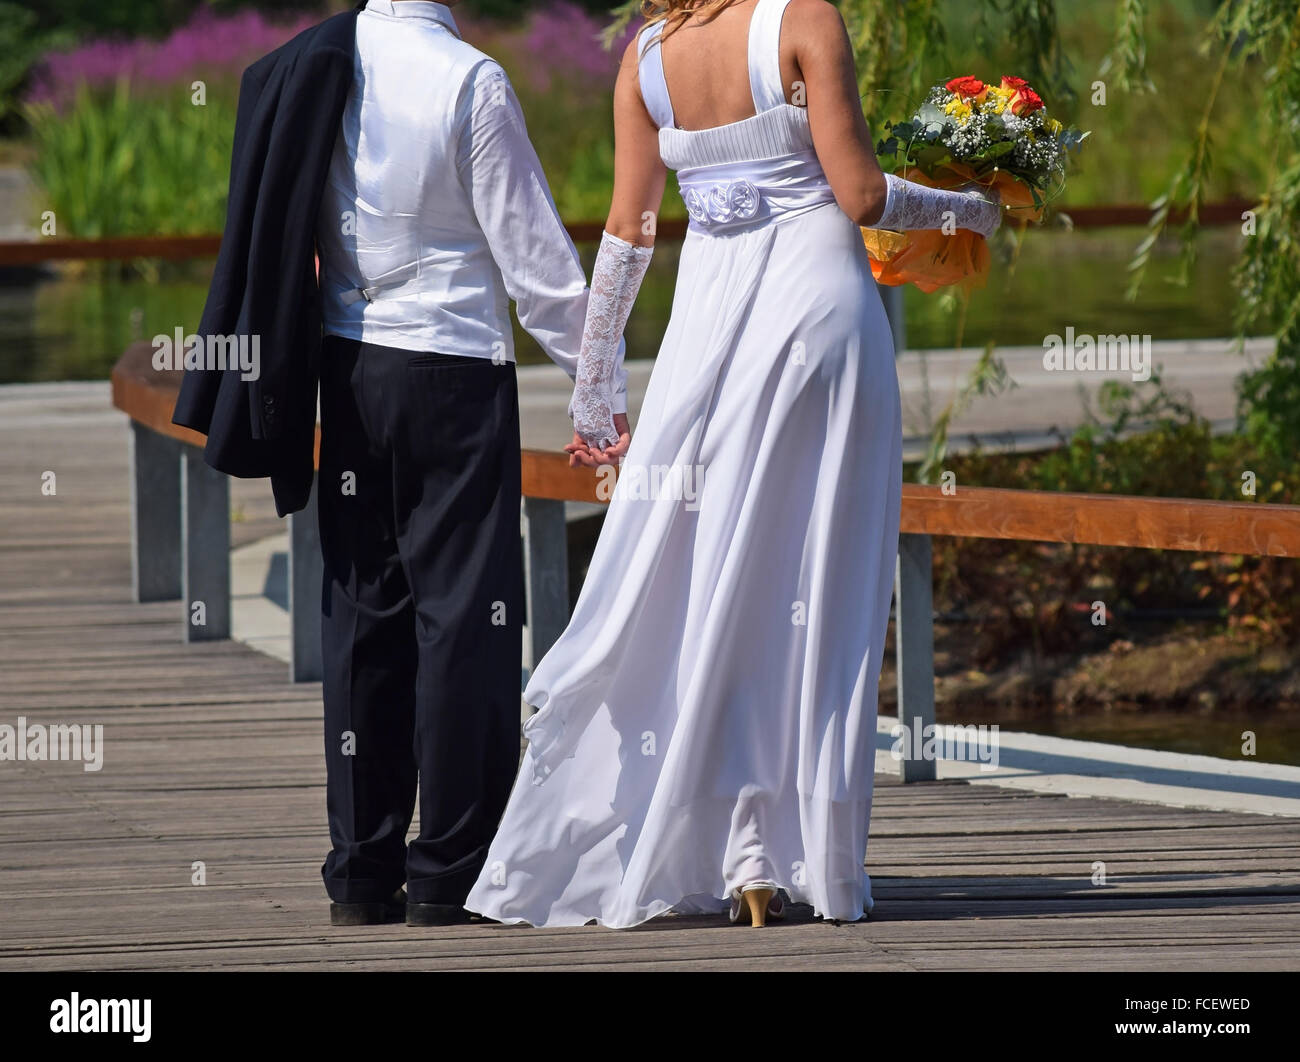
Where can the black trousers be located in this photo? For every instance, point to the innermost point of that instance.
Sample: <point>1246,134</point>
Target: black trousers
<point>423,610</point>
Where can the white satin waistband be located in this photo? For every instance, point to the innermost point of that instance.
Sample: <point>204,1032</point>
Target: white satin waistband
<point>736,195</point>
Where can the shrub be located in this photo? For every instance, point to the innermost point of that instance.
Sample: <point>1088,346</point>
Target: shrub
<point>112,163</point>
<point>1151,443</point>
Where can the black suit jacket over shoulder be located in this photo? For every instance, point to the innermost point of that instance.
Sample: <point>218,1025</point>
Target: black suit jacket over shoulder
<point>264,284</point>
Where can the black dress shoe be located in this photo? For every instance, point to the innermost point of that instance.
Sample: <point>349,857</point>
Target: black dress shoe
<point>436,914</point>
<point>377,913</point>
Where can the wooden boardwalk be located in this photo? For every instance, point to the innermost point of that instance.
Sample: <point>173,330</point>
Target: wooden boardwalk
<point>211,756</point>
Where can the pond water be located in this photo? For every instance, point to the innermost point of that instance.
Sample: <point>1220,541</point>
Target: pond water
<point>71,323</point>
<point>1198,732</point>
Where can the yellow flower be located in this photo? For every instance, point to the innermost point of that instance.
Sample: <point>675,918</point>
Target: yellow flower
<point>1054,127</point>
<point>958,108</point>
<point>1001,97</point>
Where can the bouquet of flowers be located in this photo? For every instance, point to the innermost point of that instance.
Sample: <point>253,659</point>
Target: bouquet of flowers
<point>967,131</point>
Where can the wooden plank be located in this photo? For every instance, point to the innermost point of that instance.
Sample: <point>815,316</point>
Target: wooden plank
<point>1103,520</point>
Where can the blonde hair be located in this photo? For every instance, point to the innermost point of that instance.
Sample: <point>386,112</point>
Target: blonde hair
<point>674,13</point>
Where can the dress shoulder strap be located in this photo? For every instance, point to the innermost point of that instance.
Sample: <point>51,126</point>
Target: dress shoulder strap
<point>650,76</point>
<point>765,54</point>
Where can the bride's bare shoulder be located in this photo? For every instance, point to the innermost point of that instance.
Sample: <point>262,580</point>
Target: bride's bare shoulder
<point>814,13</point>
<point>814,27</point>
<point>627,67</point>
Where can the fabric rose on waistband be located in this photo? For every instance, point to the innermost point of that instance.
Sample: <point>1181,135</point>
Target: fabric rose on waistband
<point>695,205</point>
<point>736,200</point>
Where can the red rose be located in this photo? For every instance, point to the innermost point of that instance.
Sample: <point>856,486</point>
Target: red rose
<point>1025,101</point>
<point>1016,84</point>
<point>965,86</point>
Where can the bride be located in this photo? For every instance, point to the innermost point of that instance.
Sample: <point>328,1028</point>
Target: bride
<point>707,724</point>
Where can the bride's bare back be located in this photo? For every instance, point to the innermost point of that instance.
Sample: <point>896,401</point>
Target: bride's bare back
<point>706,68</point>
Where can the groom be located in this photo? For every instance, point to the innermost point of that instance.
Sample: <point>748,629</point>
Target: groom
<point>435,210</point>
<point>430,214</point>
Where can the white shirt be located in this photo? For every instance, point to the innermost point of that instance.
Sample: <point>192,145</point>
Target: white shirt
<point>436,202</point>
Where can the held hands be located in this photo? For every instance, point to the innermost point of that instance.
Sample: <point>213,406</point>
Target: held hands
<point>600,437</point>
<point>581,453</point>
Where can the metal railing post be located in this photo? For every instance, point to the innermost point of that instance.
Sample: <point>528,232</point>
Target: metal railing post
<point>205,548</point>
<point>546,573</point>
<point>892,297</point>
<point>155,515</point>
<point>914,649</point>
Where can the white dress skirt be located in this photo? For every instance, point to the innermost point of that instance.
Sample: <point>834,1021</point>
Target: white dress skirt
<point>708,718</point>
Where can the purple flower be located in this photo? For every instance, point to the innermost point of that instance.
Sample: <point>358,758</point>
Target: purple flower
<point>209,45</point>
<point>563,40</point>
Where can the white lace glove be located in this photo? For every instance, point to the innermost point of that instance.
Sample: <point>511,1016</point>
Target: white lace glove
<point>615,281</point>
<point>909,205</point>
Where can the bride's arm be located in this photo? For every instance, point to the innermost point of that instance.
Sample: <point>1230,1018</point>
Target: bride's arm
<point>824,59</point>
<point>600,435</point>
<point>639,172</point>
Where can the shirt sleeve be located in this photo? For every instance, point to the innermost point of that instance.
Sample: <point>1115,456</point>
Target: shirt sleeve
<point>512,202</point>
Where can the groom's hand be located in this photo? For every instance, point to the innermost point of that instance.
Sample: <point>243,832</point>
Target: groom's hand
<point>579,453</point>
<point>613,455</point>
<point>582,454</point>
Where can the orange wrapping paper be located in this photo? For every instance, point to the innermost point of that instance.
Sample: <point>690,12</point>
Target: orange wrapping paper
<point>931,260</point>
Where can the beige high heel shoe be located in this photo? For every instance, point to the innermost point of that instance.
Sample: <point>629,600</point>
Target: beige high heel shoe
<point>763,901</point>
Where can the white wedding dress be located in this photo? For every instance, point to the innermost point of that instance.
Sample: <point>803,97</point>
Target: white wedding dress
<point>708,718</point>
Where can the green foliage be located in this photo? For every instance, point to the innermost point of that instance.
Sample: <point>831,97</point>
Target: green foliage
<point>1140,440</point>
<point>1258,41</point>
<point>1268,402</point>
<point>1187,189</point>
<point>22,43</point>
<point>119,163</point>
<point>152,18</point>
<point>894,45</point>
<point>1128,55</point>
<point>1166,458</point>
<point>1033,26</point>
<point>988,378</point>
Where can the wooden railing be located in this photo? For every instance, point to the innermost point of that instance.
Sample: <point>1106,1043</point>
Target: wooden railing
<point>179,248</point>
<point>52,249</point>
<point>180,537</point>
<point>180,531</point>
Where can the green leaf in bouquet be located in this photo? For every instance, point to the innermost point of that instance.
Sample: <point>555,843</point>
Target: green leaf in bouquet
<point>998,149</point>
<point>903,130</point>
<point>931,118</point>
<point>930,156</point>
